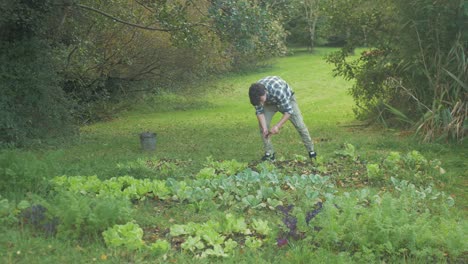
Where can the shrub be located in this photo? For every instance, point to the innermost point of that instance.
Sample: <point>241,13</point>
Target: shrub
<point>417,79</point>
<point>32,105</point>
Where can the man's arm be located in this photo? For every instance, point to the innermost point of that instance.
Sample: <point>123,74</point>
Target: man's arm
<point>262,123</point>
<point>275,129</point>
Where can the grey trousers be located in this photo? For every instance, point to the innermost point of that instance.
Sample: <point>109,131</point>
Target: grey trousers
<point>296,119</point>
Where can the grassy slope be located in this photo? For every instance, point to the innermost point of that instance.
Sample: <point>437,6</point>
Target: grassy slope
<point>217,119</point>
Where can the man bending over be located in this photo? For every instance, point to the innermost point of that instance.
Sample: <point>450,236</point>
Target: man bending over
<point>270,95</point>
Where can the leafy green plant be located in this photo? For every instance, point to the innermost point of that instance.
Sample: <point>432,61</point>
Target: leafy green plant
<point>207,173</point>
<point>261,227</point>
<point>249,188</point>
<point>253,242</point>
<point>321,215</point>
<point>373,171</point>
<point>9,211</point>
<point>413,167</point>
<point>226,168</point>
<point>265,167</point>
<point>219,238</point>
<point>234,224</point>
<point>393,160</point>
<point>159,247</point>
<point>160,190</point>
<point>216,251</point>
<point>128,236</point>
<point>193,244</point>
<point>423,196</point>
<point>80,215</point>
<point>348,150</point>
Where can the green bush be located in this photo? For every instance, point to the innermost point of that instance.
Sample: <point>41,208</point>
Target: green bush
<point>417,79</point>
<point>32,105</point>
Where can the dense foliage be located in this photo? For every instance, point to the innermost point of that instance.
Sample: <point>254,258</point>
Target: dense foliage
<point>33,103</point>
<point>306,24</point>
<point>64,60</point>
<point>416,69</point>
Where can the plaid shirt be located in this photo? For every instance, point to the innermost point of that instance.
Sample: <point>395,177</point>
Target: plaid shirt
<point>278,93</point>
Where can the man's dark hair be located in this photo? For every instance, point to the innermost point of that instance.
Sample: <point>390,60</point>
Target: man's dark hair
<point>256,90</point>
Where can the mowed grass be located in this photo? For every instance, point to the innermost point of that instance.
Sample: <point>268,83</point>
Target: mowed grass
<point>216,119</point>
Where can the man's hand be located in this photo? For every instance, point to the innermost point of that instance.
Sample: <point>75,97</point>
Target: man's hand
<point>266,133</point>
<point>274,130</point>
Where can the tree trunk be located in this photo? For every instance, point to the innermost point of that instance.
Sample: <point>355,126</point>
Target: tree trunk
<point>312,27</point>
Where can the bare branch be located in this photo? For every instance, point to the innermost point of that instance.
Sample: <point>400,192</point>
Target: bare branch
<point>198,9</point>
<point>123,21</point>
<point>138,25</point>
<point>145,6</point>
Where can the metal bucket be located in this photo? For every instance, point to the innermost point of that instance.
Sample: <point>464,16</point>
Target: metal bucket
<point>148,141</point>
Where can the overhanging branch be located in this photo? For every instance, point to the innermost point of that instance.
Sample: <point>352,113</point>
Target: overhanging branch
<point>122,21</point>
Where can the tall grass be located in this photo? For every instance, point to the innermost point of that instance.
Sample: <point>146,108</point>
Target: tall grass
<point>447,77</point>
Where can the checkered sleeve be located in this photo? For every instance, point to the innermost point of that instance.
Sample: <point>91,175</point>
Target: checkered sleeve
<point>259,110</point>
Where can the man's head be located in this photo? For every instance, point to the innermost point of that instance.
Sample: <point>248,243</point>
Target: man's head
<point>257,94</point>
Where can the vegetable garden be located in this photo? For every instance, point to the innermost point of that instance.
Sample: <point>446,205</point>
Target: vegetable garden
<point>240,207</point>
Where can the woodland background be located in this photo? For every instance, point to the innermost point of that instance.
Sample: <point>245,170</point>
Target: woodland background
<point>65,63</point>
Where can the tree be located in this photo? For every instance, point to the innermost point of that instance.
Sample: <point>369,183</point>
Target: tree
<point>249,27</point>
<point>69,56</point>
<point>312,10</point>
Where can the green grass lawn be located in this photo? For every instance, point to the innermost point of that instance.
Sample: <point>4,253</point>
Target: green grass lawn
<point>216,119</point>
